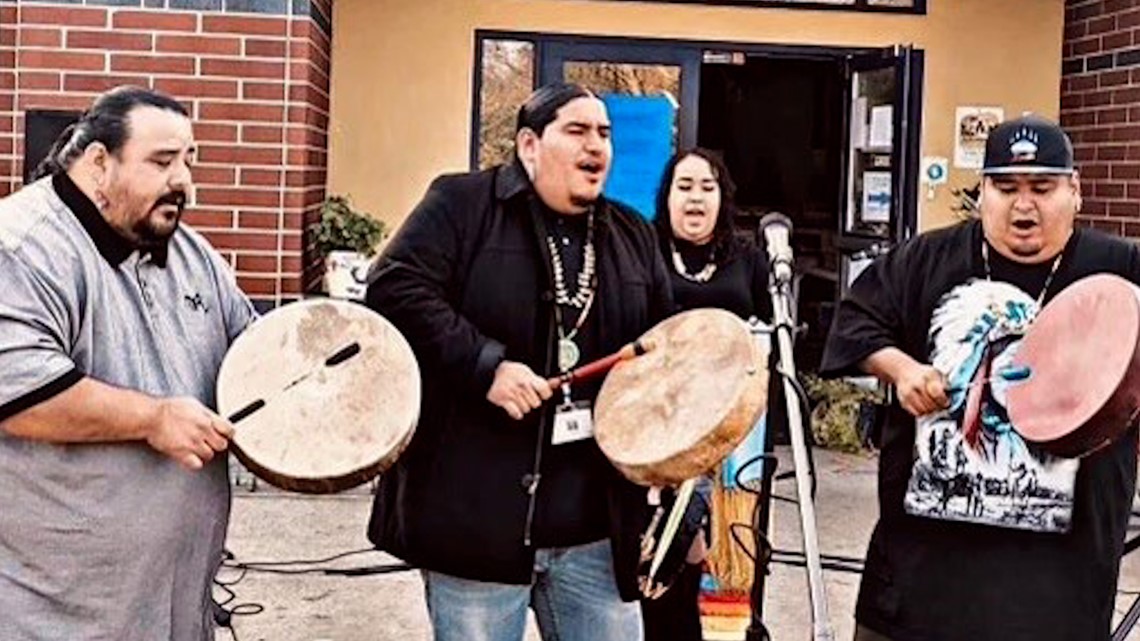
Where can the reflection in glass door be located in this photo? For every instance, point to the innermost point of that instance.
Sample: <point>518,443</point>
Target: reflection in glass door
<point>869,176</point>
<point>650,93</point>
<point>879,201</point>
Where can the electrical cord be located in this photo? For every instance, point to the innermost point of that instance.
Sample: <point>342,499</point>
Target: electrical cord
<point>769,554</point>
<point>224,616</point>
<point>286,567</point>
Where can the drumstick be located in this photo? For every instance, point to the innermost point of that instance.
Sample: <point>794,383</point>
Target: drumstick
<point>602,365</point>
<point>340,356</point>
<point>680,504</point>
<point>1009,375</point>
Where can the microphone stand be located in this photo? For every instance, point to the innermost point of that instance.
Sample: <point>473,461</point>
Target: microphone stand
<point>761,519</point>
<point>782,320</point>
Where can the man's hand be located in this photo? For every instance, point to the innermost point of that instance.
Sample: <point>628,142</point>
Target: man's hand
<point>517,389</point>
<point>188,432</point>
<point>922,389</point>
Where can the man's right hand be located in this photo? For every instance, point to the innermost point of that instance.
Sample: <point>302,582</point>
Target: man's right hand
<point>188,432</point>
<point>921,389</point>
<point>517,389</point>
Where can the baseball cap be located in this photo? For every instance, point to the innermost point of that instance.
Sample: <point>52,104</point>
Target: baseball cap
<point>1028,145</point>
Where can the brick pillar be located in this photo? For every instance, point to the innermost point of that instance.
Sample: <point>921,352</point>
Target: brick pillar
<point>1100,108</point>
<point>254,74</point>
<point>7,98</point>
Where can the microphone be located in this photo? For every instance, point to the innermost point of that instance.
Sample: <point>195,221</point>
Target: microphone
<point>777,230</point>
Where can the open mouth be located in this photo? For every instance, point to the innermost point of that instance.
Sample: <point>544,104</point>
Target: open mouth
<point>593,168</point>
<point>1024,225</point>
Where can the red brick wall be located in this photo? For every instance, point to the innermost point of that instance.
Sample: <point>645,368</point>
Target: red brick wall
<point>257,85</point>
<point>1100,107</point>
<point>7,98</point>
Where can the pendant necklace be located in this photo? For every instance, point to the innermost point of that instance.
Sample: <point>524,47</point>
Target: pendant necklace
<point>568,352</point>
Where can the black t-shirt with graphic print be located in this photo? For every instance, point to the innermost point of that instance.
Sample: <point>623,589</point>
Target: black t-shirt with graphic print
<point>934,580</point>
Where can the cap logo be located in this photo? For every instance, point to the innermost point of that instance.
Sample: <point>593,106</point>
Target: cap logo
<point>1023,145</point>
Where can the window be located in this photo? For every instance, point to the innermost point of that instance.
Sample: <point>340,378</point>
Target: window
<point>43,127</point>
<point>506,78</point>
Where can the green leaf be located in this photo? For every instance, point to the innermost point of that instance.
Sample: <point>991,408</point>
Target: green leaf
<point>343,228</point>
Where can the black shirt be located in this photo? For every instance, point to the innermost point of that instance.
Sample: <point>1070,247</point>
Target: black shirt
<point>571,509</point>
<point>739,284</point>
<point>932,580</point>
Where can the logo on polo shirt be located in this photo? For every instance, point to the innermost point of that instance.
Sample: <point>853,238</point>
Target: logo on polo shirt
<point>1023,145</point>
<point>196,303</point>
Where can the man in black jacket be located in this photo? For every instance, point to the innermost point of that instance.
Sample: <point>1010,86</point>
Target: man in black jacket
<point>499,279</point>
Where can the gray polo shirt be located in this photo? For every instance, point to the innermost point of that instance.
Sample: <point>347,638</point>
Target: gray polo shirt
<point>112,541</point>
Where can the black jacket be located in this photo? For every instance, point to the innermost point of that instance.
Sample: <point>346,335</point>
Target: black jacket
<point>467,280</point>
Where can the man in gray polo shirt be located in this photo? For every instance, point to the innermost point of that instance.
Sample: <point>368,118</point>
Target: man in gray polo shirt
<point>113,324</point>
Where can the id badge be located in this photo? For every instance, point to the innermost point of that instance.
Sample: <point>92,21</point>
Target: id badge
<point>573,422</point>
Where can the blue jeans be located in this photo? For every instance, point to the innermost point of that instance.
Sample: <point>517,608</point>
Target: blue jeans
<point>573,593</point>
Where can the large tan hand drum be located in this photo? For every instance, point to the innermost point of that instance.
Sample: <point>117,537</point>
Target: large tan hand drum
<point>675,412</point>
<point>328,394</point>
<point>1083,359</point>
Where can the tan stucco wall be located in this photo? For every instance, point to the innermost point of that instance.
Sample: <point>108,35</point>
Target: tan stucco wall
<point>403,72</point>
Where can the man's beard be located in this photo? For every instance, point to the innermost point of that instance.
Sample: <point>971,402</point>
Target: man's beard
<point>585,202</point>
<point>149,233</point>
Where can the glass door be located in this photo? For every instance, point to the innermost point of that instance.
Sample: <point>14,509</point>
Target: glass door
<point>880,166</point>
<point>650,91</point>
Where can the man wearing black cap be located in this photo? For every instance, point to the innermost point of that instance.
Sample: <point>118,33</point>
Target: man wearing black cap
<point>499,279</point>
<point>981,537</point>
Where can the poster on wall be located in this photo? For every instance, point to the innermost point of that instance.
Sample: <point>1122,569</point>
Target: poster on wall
<point>876,197</point>
<point>972,126</point>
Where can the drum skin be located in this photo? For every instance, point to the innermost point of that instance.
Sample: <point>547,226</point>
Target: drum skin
<point>675,412</point>
<point>340,426</point>
<point>1084,385</point>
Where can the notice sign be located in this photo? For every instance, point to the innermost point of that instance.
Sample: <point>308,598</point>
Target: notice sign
<point>972,126</point>
<point>643,143</point>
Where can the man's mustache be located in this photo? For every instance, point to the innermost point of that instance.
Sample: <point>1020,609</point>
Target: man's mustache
<point>176,198</point>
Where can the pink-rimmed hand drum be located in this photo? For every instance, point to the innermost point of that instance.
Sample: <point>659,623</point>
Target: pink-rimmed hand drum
<point>1083,388</point>
<point>677,411</point>
<point>331,393</point>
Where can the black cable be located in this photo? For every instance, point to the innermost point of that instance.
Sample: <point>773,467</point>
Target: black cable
<point>223,616</point>
<point>283,567</point>
<point>759,458</point>
<point>260,564</point>
<point>805,423</point>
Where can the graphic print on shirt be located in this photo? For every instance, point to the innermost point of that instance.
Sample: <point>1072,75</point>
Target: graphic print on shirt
<point>971,464</point>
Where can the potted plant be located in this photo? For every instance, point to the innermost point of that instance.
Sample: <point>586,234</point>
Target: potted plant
<point>843,411</point>
<point>347,239</point>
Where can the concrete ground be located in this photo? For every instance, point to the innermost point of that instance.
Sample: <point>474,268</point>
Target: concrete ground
<point>268,525</point>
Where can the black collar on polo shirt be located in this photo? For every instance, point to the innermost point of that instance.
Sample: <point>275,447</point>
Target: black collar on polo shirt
<point>113,247</point>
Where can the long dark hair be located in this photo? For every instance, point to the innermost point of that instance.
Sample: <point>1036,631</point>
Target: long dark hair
<point>541,108</point>
<point>724,243</point>
<point>104,122</point>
